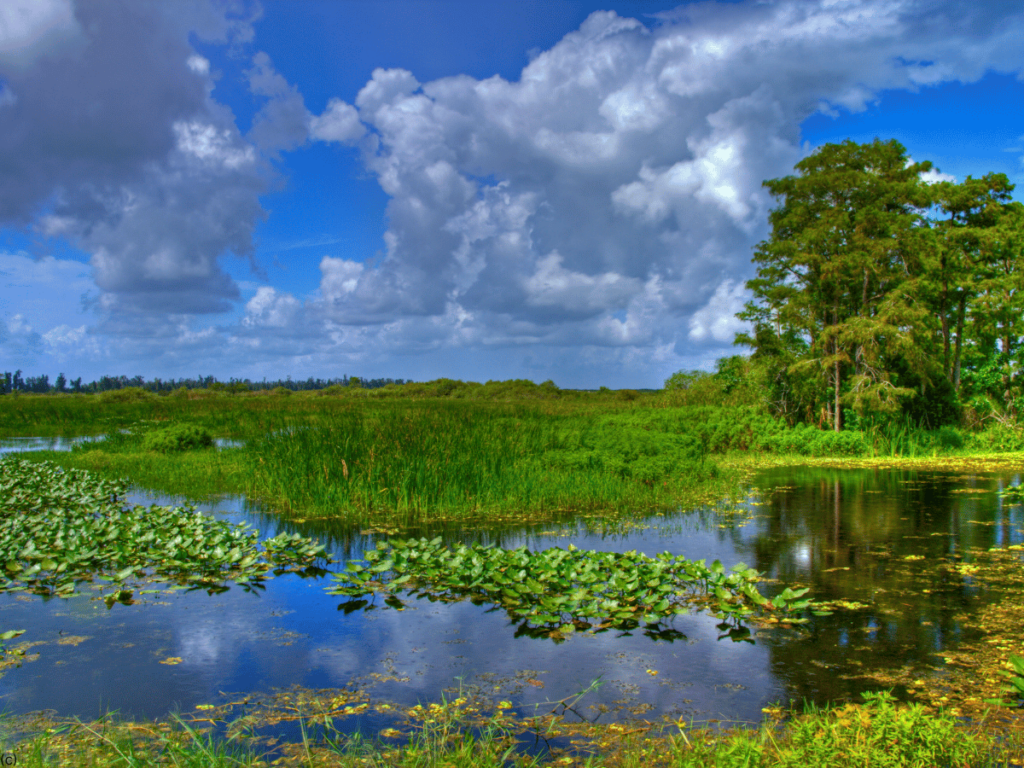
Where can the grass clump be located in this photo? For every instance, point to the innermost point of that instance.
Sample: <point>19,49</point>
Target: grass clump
<point>177,437</point>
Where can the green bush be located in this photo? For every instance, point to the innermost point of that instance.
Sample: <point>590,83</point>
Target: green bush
<point>634,446</point>
<point>848,443</point>
<point>947,438</point>
<point>998,437</point>
<point>178,437</point>
<point>126,395</point>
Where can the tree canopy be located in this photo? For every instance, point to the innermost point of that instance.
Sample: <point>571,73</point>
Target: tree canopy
<point>878,292</point>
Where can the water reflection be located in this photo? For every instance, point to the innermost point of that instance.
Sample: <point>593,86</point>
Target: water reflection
<point>18,444</point>
<point>870,536</point>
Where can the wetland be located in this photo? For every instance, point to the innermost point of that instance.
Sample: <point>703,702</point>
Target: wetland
<point>745,591</point>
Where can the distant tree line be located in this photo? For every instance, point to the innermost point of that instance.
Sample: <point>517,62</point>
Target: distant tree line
<point>13,382</point>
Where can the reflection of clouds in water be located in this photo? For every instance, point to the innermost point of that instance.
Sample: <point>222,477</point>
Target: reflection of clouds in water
<point>485,644</point>
<point>802,555</point>
<point>202,644</point>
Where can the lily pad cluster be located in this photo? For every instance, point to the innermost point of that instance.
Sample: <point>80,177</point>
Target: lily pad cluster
<point>563,590</point>
<point>62,527</point>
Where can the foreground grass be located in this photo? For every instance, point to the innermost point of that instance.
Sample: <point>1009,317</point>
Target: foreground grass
<point>455,734</point>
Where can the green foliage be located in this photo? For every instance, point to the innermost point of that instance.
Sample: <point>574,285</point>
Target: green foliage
<point>803,440</point>
<point>177,437</point>
<point>639,446</point>
<point>555,592</point>
<point>126,395</point>
<point>881,733</point>
<point>453,458</point>
<point>60,527</point>
<point>862,302</point>
<point>1016,683</point>
<point>997,437</point>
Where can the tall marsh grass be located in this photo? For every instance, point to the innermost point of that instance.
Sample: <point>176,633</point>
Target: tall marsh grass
<point>466,460</point>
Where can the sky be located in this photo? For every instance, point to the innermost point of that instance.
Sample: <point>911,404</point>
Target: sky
<point>419,189</point>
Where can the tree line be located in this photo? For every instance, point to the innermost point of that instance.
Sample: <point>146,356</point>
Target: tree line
<point>879,294</point>
<point>13,382</point>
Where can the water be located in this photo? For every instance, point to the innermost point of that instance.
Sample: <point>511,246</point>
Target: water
<point>17,444</point>
<point>872,536</point>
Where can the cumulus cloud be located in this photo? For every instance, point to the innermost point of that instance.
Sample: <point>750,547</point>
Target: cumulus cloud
<point>601,207</point>
<point>18,339</point>
<point>612,194</point>
<point>30,29</point>
<point>717,319</point>
<point>113,142</point>
<point>339,122</point>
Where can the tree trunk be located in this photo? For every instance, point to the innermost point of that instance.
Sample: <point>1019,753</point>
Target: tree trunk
<point>960,312</point>
<point>836,417</point>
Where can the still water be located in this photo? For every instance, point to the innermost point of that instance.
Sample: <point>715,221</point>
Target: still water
<point>870,536</point>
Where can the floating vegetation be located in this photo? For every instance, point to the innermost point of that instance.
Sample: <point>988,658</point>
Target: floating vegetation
<point>1013,494</point>
<point>1016,685</point>
<point>62,527</point>
<point>555,591</point>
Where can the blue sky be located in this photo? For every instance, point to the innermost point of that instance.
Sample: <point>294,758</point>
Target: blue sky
<point>427,188</point>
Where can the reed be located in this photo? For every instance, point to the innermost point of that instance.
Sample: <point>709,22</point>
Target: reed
<point>464,460</point>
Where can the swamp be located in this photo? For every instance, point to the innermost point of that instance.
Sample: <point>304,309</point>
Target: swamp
<point>446,574</point>
<point>810,556</point>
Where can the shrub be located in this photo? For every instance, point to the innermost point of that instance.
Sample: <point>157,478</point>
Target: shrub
<point>998,437</point>
<point>178,437</point>
<point>126,395</point>
<point>947,438</point>
<point>848,443</point>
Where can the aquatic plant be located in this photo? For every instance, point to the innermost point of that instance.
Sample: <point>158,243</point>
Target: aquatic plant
<point>558,591</point>
<point>59,528</point>
<point>1016,686</point>
<point>413,461</point>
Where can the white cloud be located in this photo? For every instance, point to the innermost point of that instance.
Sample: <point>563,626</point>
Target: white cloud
<point>270,308</point>
<point>602,207</point>
<point>207,143</point>
<point>198,64</point>
<point>339,122</point>
<point>30,29</point>
<point>717,319</point>
<point>934,176</point>
<point>612,194</point>
<point>575,292</point>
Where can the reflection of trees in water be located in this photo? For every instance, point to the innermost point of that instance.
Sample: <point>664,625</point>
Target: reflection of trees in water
<point>847,534</point>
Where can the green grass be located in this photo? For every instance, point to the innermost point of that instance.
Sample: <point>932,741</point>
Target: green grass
<point>879,733</point>
<point>408,462</point>
<point>196,475</point>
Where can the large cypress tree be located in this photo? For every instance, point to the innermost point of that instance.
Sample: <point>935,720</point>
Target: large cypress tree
<point>840,272</point>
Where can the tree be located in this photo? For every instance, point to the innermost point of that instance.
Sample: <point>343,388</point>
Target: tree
<point>838,274</point>
<point>997,313</point>
<point>952,268</point>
